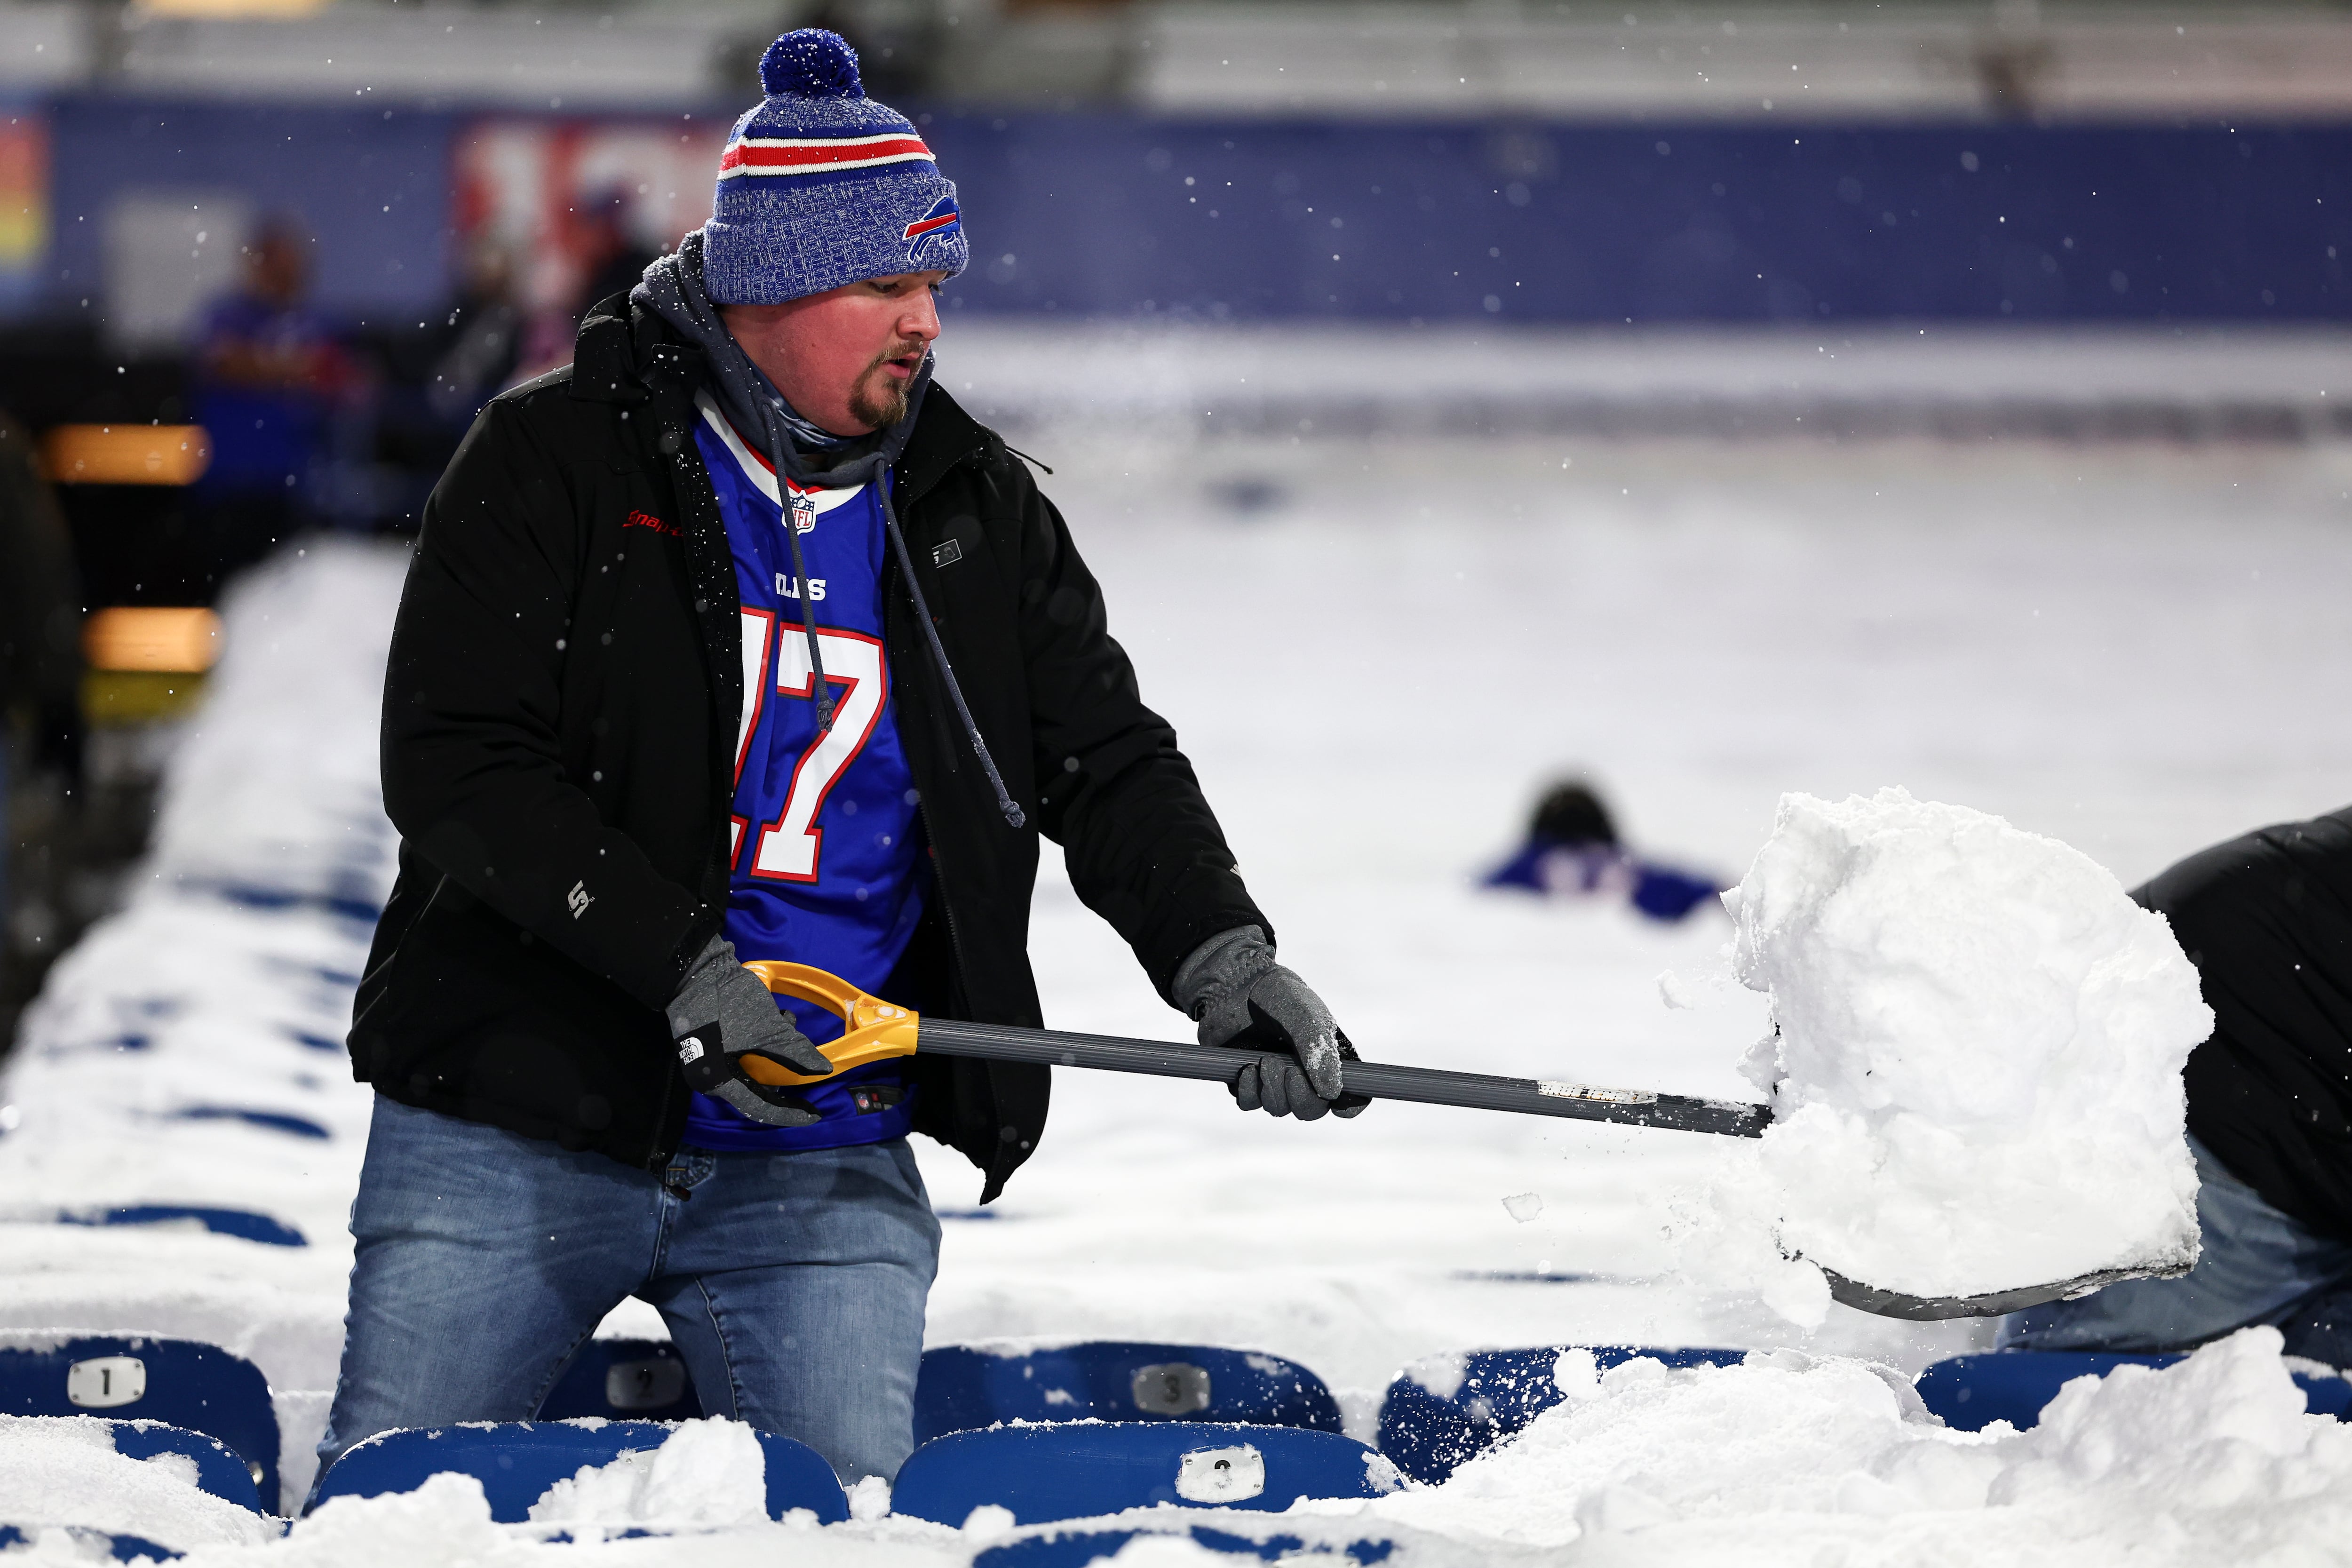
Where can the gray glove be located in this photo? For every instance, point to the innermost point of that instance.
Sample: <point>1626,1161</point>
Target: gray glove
<point>722,1013</point>
<point>1241,997</point>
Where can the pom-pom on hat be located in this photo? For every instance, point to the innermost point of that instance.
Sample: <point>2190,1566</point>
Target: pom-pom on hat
<point>820,186</point>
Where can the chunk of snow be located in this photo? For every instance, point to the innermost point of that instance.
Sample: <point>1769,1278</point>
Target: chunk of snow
<point>989,1521</point>
<point>869,1498</point>
<point>446,1521</point>
<point>1441,1374</point>
<point>1524,1206</point>
<point>1976,1065</point>
<point>1168,1551</point>
<point>707,1474</point>
<point>1577,1374</point>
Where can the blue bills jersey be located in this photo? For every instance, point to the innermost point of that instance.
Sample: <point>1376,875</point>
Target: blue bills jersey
<point>827,870</point>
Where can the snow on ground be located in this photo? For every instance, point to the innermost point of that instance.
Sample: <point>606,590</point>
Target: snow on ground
<point>2165,380</point>
<point>2213,1460</point>
<point>68,1471</point>
<point>1785,1458</point>
<point>1375,653</point>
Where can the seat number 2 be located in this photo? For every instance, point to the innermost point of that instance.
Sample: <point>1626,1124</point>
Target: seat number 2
<point>790,844</point>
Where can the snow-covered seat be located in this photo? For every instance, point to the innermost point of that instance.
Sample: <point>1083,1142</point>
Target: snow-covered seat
<point>219,1470</point>
<point>1074,1549</point>
<point>1080,1469</point>
<point>623,1380</point>
<point>79,1545</point>
<point>143,1380</point>
<point>241,1224</point>
<point>966,1386</point>
<point>1448,1409</point>
<point>517,1461</point>
<point>267,1120</point>
<point>1972,1392</point>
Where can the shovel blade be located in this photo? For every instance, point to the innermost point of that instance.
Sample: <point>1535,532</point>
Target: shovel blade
<point>1887,1303</point>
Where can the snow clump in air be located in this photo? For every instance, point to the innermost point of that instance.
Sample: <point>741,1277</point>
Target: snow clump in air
<point>1975,1068</point>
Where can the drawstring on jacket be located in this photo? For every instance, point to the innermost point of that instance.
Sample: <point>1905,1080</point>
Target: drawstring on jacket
<point>1004,801</point>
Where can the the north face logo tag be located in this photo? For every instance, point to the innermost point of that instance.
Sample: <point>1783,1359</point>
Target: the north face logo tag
<point>689,1049</point>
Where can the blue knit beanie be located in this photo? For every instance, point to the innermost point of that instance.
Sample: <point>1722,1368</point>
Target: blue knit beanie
<point>820,186</point>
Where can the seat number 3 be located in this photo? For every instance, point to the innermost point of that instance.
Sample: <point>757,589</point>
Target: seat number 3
<point>790,844</point>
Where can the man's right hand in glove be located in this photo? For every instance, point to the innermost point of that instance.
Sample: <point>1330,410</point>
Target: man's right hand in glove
<point>722,1014</point>
<point>1241,997</point>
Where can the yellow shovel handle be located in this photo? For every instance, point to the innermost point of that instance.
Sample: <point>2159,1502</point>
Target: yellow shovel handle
<point>876,1030</point>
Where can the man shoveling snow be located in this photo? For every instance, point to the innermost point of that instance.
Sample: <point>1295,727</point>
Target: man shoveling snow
<point>2267,919</point>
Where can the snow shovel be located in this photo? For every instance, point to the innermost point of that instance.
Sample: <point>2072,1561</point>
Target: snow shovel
<point>876,1030</point>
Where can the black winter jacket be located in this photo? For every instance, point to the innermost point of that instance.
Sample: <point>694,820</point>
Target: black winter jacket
<point>558,723</point>
<point>2267,920</point>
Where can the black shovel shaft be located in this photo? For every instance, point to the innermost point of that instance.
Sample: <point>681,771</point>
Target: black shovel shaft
<point>1378,1080</point>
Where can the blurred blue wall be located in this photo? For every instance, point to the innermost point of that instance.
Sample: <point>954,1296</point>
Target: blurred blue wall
<point>370,185</point>
<point>1657,223</point>
<point>1091,215</point>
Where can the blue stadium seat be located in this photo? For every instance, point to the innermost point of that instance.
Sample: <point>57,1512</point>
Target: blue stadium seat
<point>623,1380</point>
<point>962,1387</point>
<point>88,1545</point>
<point>200,1387</point>
<point>1082,1469</point>
<point>1078,1548</point>
<point>219,1471</point>
<point>517,1461</point>
<point>1428,1434</point>
<point>268,1121</point>
<point>1972,1392</point>
<point>239,1223</point>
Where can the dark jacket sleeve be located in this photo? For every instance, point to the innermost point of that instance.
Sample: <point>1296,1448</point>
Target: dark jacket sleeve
<point>40,603</point>
<point>472,697</point>
<point>1144,851</point>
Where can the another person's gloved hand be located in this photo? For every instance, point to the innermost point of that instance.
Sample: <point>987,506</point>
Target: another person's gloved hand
<point>722,1013</point>
<point>1241,997</point>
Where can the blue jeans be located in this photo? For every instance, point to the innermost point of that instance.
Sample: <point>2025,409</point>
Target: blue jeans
<point>2257,1266</point>
<point>793,1284</point>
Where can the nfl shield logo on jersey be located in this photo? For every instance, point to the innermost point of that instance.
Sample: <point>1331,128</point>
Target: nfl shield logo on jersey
<point>803,510</point>
<point>929,236</point>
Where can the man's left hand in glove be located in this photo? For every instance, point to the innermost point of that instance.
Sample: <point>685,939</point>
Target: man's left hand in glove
<point>720,1017</point>
<point>1241,997</point>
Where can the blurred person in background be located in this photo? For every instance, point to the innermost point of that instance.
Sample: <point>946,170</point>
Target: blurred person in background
<point>474,351</point>
<point>40,666</point>
<point>271,377</point>
<point>670,687</point>
<point>1572,851</point>
<point>440,378</point>
<point>2267,920</point>
<point>613,257</point>
<point>609,259</point>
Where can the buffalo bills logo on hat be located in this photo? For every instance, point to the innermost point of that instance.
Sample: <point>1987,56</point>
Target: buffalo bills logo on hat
<point>931,236</point>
